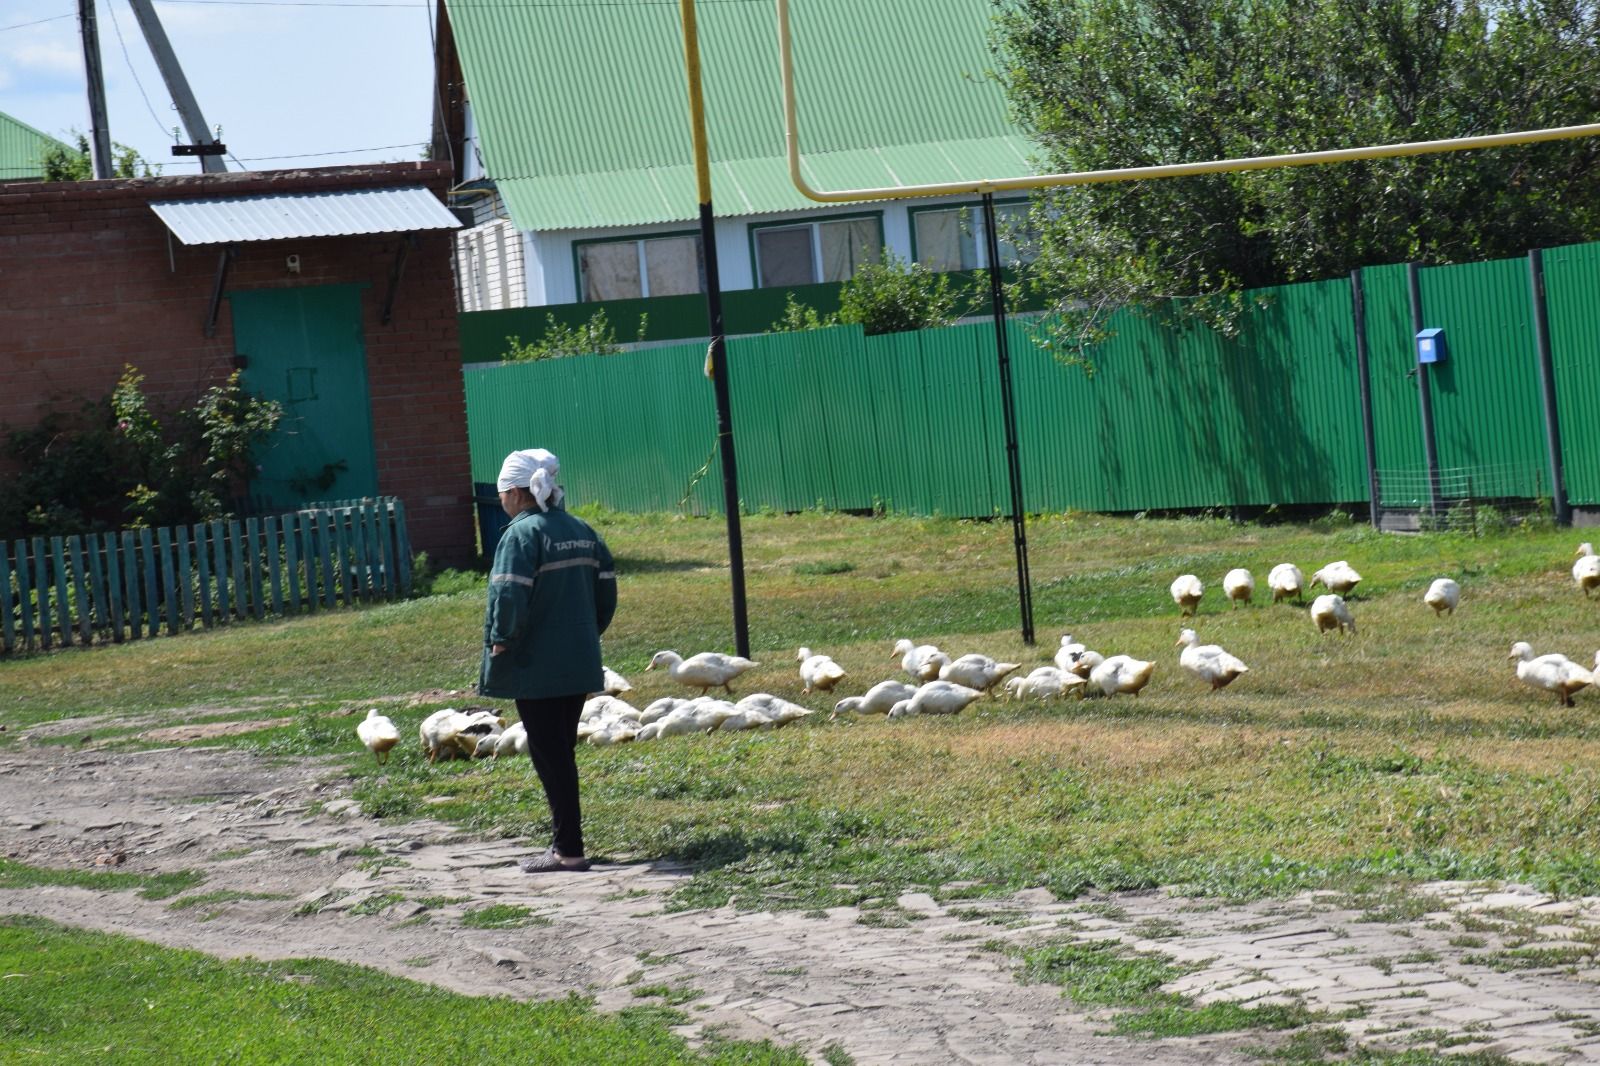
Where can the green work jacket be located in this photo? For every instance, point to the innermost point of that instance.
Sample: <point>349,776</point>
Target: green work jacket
<point>552,592</point>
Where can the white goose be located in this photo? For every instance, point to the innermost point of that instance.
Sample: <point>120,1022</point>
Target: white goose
<point>1286,581</point>
<point>704,671</point>
<point>1208,662</point>
<point>439,731</point>
<point>975,671</point>
<point>1044,683</point>
<point>1186,592</point>
<point>778,711</point>
<point>1444,595</point>
<point>1340,577</point>
<point>379,735</point>
<point>514,741</point>
<point>936,697</point>
<point>614,684</point>
<point>818,671</point>
<point>1239,586</point>
<point>1330,612</point>
<point>880,699</point>
<point>1122,673</point>
<point>921,661</point>
<point>1586,571</point>
<point>1074,658</point>
<point>1553,673</point>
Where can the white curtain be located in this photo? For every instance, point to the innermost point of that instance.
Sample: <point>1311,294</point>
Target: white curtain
<point>672,265</point>
<point>848,243</point>
<point>610,270</point>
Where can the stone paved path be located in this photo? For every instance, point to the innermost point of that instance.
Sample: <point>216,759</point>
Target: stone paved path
<point>1455,966</point>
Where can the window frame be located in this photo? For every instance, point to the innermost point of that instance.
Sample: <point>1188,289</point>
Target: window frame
<point>976,207</point>
<point>816,241</point>
<point>644,273</point>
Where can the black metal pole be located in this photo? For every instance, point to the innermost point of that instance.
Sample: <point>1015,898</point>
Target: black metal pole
<point>1547,387</point>
<point>1430,447</point>
<point>717,358</point>
<point>1358,301</point>
<point>730,469</point>
<point>1019,528</point>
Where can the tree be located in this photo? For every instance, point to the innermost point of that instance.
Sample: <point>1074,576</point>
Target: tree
<point>64,164</point>
<point>1118,83</point>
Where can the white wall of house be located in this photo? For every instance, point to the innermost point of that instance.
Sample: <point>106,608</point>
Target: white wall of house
<point>548,272</point>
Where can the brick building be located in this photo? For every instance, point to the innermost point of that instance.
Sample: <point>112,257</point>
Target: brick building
<point>330,289</point>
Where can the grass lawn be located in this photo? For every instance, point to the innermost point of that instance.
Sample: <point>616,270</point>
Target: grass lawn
<point>1408,751</point>
<point>79,997</point>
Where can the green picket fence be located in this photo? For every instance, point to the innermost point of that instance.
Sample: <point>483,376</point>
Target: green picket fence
<point>133,584</point>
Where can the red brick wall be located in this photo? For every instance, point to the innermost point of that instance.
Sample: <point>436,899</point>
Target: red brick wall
<point>89,281</point>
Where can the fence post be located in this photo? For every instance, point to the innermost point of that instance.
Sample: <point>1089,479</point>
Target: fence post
<point>1358,300</point>
<point>63,603</point>
<point>202,567</point>
<point>97,583</point>
<point>41,591</point>
<point>386,548</point>
<point>85,607</point>
<point>113,585</point>
<point>8,630</point>
<point>1547,387</point>
<point>130,578</point>
<point>274,564</point>
<point>1430,445</point>
<point>169,580</point>
<point>241,608</point>
<point>185,575</point>
<point>402,546</point>
<point>23,597</point>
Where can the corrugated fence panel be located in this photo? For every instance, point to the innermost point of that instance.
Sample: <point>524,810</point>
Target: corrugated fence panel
<point>1572,296</point>
<point>1486,409</point>
<point>1396,414</point>
<point>1303,431</point>
<point>1169,414</point>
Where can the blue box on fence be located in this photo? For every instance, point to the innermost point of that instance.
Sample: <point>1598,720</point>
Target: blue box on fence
<point>1431,347</point>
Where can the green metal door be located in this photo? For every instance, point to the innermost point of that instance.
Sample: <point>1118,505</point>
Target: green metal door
<point>303,348</point>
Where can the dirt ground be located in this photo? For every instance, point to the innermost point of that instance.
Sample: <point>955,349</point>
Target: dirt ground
<point>349,887</point>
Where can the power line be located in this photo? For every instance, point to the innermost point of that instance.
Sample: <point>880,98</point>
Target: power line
<point>38,22</point>
<point>112,7</point>
<point>311,155</point>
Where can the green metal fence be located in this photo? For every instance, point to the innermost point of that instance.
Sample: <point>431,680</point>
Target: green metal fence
<point>135,583</point>
<point>1171,415</point>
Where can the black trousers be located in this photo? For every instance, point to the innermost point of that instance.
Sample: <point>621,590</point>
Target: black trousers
<point>552,726</point>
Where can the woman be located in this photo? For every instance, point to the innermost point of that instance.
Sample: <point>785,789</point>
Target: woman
<point>552,592</point>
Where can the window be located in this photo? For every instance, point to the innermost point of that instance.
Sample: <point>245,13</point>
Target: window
<point>625,269</point>
<point>952,238</point>
<point>807,252</point>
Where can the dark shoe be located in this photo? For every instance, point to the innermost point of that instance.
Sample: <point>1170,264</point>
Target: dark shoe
<point>549,861</point>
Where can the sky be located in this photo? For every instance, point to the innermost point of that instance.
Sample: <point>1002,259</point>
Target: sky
<point>291,82</point>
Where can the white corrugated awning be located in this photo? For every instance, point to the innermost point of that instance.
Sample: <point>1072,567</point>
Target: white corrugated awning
<point>280,216</point>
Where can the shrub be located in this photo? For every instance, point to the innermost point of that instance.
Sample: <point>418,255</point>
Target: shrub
<point>594,337</point>
<point>893,296</point>
<point>116,464</point>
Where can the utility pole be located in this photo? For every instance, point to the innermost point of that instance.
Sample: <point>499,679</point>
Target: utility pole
<point>209,150</point>
<point>99,131</point>
<point>717,357</point>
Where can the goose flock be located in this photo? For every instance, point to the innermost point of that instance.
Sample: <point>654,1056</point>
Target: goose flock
<point>940,684</point>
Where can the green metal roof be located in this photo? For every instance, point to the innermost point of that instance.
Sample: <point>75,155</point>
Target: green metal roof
<point>21,150</point>
<point>582,107</point>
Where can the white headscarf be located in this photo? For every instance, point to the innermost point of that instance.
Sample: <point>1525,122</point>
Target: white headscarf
<point>533,469</point>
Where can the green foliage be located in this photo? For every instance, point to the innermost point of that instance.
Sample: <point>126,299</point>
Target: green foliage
<point>798,316</point>
<point>502,916</point>
<point>594,337</point>
<point>151,886</point>
<point>891,296</point>
<point>117,464</point>
<point>1142,82</point>
<point>64,164</point>
<point>90,997</point>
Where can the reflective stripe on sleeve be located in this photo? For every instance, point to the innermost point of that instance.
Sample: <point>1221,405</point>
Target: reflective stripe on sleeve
<point>495,579</point>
